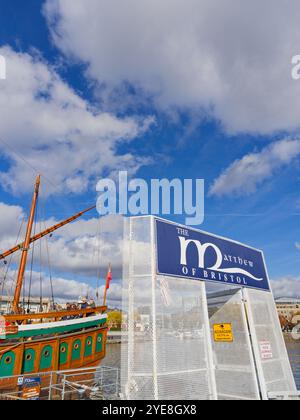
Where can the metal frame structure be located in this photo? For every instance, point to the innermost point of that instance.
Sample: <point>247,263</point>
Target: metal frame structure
<point>164,365</point>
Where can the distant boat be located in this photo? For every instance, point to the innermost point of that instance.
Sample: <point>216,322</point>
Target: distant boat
<point>51,341</point>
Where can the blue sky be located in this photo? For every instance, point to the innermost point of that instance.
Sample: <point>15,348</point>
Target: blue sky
<point>183,99</point>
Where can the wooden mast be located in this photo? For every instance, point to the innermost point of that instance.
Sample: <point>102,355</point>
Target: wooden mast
<point>15,305</point>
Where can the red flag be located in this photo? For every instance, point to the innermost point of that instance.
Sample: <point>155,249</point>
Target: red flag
<point>108,278</point>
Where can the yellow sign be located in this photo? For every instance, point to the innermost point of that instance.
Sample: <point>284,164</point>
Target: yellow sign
<point>223,333</point>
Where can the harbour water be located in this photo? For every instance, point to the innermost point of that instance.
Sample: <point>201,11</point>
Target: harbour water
<point>114,356</point>
<point>293,348</point>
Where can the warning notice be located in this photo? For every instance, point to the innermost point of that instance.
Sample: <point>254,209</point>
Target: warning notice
<point>223,333</point>
<point>266,350</point>
<point>32,388</point>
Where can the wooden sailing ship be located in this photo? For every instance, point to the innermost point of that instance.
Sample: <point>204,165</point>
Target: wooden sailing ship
<point>52,341</point>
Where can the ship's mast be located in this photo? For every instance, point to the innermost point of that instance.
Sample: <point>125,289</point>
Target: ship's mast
<point>15,305</point>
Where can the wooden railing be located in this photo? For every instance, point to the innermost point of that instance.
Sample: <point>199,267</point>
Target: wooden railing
<point>21,319</point>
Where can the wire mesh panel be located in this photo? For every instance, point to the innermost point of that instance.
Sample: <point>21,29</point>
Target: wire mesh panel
<point>137,349</point>
<point>166,353</point>
<point>235,369</point>
<point>271,355</point>
<point>167,349</point>
<point>182,340</point>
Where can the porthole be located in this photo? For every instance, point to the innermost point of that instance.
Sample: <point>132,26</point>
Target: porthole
<point>28,357</point>
<point>99,339</point>
<point>63,349</point>
<point>89,343</point>
<point>47,353</point>
<point>8,360</point>
<point>76,346</point>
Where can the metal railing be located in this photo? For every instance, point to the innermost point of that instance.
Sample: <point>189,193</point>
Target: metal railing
<point>97,383</point>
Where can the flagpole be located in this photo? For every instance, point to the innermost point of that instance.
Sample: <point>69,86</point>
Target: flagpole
<point>105,295</point>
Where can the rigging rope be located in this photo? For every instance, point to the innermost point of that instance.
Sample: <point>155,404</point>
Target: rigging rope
<point>8,265</point>
<point>98,258</point>
<point>48,256</point>
<point>50,273</point>
<point>41,281</point>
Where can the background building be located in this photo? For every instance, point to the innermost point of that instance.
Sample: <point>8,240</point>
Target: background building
<point>288,311</point>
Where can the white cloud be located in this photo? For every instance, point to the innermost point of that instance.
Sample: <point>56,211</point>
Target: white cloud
<point>55,131</point>
<point>245,175</point>
<point>232,58</point>
<point>10,220</point>
<point>84,247</point>
<point>297,244</point>
<point>75,250</point>
<point>64,289</point>
<point>286,287</point>
<point>87,246</point>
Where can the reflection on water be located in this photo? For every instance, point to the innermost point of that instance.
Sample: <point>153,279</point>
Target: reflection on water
<point>113,357</point>
<point>294,354</point>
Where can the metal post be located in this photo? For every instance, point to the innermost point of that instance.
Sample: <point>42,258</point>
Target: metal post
<point>117,383</point>
<point>154,330</point>
<point>208,345</point>
<point>250,342</point>
<point>130,320</point>
<point>64,387</point>
<point>252,331</point>
<point>50,388</point>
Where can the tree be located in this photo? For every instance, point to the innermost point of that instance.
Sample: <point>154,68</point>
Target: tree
<point>114,319</point>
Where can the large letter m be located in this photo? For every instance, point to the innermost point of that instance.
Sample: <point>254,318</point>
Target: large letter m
<point>184,245</point>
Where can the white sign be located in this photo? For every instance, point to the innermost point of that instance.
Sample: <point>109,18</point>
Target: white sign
<point>2,327</point>
<point>266,350</point>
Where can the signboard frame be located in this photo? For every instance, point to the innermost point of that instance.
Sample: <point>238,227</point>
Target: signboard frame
<point>157,220</point>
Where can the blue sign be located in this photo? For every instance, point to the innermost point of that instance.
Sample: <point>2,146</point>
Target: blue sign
<point>184,252</point>
<point>32,381</point>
